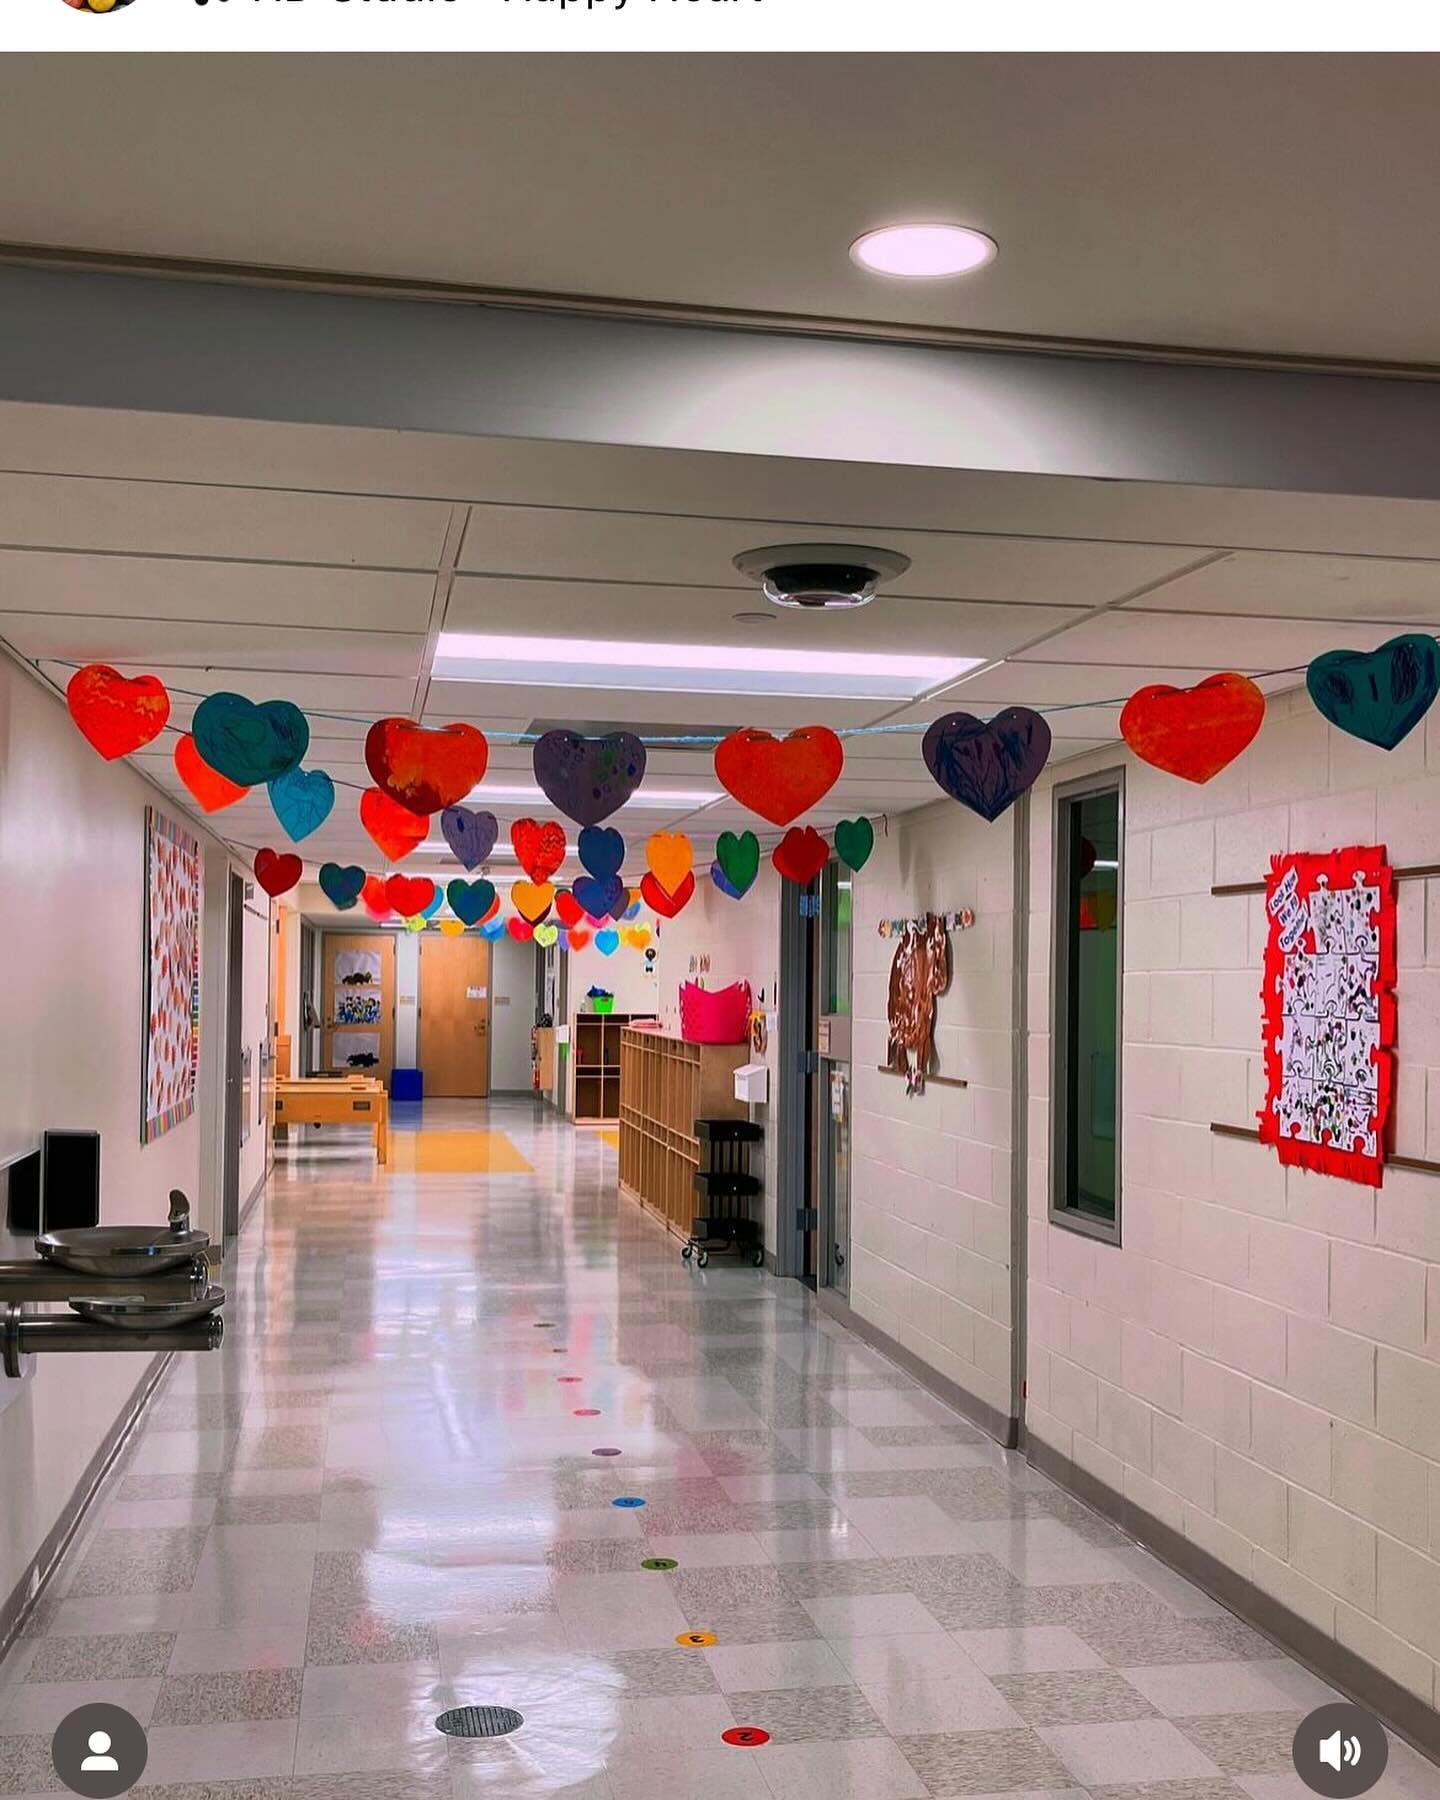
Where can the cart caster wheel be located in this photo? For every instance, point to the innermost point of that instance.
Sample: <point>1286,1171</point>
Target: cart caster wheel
<point>702,1259</point>
<point>686,1252</point>
<point>757,1258</point>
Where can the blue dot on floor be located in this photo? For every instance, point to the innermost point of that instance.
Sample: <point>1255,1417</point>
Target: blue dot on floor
<point>628,1500</point>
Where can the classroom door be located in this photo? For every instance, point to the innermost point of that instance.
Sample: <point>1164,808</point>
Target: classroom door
<point>454,1017</point>
<point>359,1035</point>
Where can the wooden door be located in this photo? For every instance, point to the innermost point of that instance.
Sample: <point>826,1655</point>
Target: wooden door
<point>455,1016</point>
<point>359,1015</point>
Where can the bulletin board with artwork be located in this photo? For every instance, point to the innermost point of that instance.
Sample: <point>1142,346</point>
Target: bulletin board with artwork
<point>171,1048</point>
<point>1329,1011</point>
<point>359,993</point>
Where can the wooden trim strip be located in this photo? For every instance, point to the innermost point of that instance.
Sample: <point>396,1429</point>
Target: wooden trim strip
<point>1419,872</point>
<point>937,1080</point>
<point>1417,1163</point>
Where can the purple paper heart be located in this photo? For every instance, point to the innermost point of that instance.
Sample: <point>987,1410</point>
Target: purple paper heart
<point>605,899</point>
<point>469,833</point>
<point>601,851</point>
<point>987,766</point>
<point>588,778</point>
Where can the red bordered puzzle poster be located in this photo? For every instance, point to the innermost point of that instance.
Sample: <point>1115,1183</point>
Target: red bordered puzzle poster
<point>1329,1011</point>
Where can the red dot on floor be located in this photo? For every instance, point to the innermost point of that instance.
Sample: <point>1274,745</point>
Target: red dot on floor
<point>587,1412</point>
<point>747,1736</point>
<point>570,1380</point>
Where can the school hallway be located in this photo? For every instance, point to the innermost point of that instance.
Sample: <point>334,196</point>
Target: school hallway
<point>455,1416</point>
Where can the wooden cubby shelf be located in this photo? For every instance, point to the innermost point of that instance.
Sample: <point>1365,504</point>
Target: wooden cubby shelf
<point>665,1086</point>
<point>595,1046</point>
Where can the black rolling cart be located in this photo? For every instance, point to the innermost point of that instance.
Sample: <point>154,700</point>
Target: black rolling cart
<point>725,1187</point>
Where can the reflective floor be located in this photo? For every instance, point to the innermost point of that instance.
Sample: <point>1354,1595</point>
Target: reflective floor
<point>456,1416</point>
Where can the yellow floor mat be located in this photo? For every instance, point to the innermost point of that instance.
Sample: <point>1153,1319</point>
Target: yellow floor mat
<point>612,1138</point>
<point>455,1153</point>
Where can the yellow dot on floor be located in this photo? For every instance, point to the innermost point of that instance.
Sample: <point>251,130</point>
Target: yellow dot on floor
<point>696,1640</point>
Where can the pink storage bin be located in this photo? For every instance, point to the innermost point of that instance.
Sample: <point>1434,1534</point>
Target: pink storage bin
<point>715,1015</point>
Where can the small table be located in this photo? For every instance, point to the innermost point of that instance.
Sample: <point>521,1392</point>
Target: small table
<point>345,1100</point>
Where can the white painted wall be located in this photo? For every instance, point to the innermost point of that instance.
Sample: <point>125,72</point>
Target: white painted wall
<point>72,848</point>
<point>931,1173</point>
<point>512,1015</point>
<point>1259,1365</point>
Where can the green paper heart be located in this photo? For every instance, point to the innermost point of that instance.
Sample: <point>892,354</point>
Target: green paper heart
<point>739,857</point>
<point>546,934</point>
<point>854,841</point>
<point>418,923</point>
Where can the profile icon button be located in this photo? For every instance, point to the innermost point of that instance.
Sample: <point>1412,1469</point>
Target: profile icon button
<point>99,1751</point>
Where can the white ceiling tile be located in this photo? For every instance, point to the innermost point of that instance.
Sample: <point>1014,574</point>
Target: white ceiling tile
<point>175,519</point>
<point>205,650</point>
<point>161,589</point>
<point>1301,586</point>
<point>1194,642</point>
<point>477,701</point>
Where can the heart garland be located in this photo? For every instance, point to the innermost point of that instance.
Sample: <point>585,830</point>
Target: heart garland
<point>854,843</point>
<point>393,827</point>
<point>471,834</point>
<point>532,899</point>
<point>277,872</point>
<point>738,859</point>
<point>601,900</point>
<point>1381,695</point>
<point>670,856</point>
<point>588,778</point>
<point>607,942</point>
<point>601,851</point>
<point>1193,732</point>
<point>546,935</point>
<point>451,928</point>
<point>987,766</point>
<point>341,886</point>
<point>780,778</point>
<point>472,902</point>
<point>520,929</point>
<point>539,848</point>
<point>116,715</point>
<point>801,854</point>
<point>409,895</point>
<point>425,767</point>
<point>208,787</point>
<point>661,900</point>
<point>302,800</point>
<point>250,744</point>
<point>372,898</point>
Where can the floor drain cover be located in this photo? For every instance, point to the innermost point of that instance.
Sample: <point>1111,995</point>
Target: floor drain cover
<point>479,1721</point>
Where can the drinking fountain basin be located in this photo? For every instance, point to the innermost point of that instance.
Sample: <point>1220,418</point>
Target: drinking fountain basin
<point>137,1312</point>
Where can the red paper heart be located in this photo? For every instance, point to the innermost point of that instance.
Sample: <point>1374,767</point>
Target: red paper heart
<point>117,715</point>
<point>424,768</point>
<point>568,907</point>
<point>394,828</point>
<point>578,939</point>
<point>211,789</point>
<point>666,904</point>
<point>373,897</point>
<point>277,873</point>
<point>539,848</point>
<point>801,854</point>
<point>409,894</point>
<point>1193,732</point>
<point>520,929</point>
<point>780,778</point>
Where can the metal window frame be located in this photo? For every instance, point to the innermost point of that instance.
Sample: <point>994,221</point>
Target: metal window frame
<point>1061,1212</point>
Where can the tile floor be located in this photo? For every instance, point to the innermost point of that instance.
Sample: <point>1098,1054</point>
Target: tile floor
<point>383,1498</point>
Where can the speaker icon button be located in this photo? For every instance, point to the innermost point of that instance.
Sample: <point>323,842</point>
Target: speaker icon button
<point>1340,1751</point>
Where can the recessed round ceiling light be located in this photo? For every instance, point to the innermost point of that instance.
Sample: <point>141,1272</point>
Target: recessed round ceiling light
<point>922,252</point>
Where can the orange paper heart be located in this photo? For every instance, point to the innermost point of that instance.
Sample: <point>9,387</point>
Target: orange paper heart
<point>637,936</point>
<point>210,788</point>
<point>780,778</point>
<point>532,899</point>
<point>577,937</point>
<point>117,716</point>
<point>671,858</point>
<point>394,828</point>
<point>373,898</point>
<point>424,768</point>
<point>452,927</point>
<point>1193,732</point>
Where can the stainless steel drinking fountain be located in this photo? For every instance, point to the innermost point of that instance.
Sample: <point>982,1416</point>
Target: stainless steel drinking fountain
<point>131,1287</point>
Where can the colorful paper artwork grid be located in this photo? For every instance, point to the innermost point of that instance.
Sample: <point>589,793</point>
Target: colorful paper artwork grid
<point>172,976</point>
<point>1329,1011</point>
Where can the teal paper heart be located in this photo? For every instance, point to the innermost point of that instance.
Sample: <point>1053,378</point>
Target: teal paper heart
<point>1380,695</point>
<point>246,743</point>
<point>302,800</point>
<point>854,842</point>
<point>341,887</point>
<point>470,901</point>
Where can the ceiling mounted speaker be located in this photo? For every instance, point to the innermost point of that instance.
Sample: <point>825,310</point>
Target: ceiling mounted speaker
<point>821,577</point>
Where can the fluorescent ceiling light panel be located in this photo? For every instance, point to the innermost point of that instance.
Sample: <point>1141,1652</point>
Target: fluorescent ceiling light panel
<point>660,799</point>
<point>692,668</point>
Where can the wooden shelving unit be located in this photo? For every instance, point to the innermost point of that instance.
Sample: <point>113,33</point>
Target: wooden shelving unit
<point>665,1086</point>
<point>595,1048</point>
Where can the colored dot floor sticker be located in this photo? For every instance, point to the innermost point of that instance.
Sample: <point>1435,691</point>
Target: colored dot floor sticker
<point>569,1380</point>
<point>606,1450</point>
<point>696,1640</point>
<point>628,1500</point>
<point>586,1412</point>
<point>659,1562</point>
<point>544,1324</point>
<point>746,1736</point>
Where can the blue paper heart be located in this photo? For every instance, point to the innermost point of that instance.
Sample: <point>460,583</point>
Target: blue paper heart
<point>601,850</point>
<point>469,833</point>
<point>987,766</point>
<point>607,942</point>
<point>302,800</point>
<point>429,912</point>
<point>495,929</point>
<point>724,883</point>
<point>249,744</point>
<point>588,778</point>
<point>1380,695</point>
<point>470,901</point>
<point>341,887</point>
<point>601,899</point>
<point>632,911</point>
